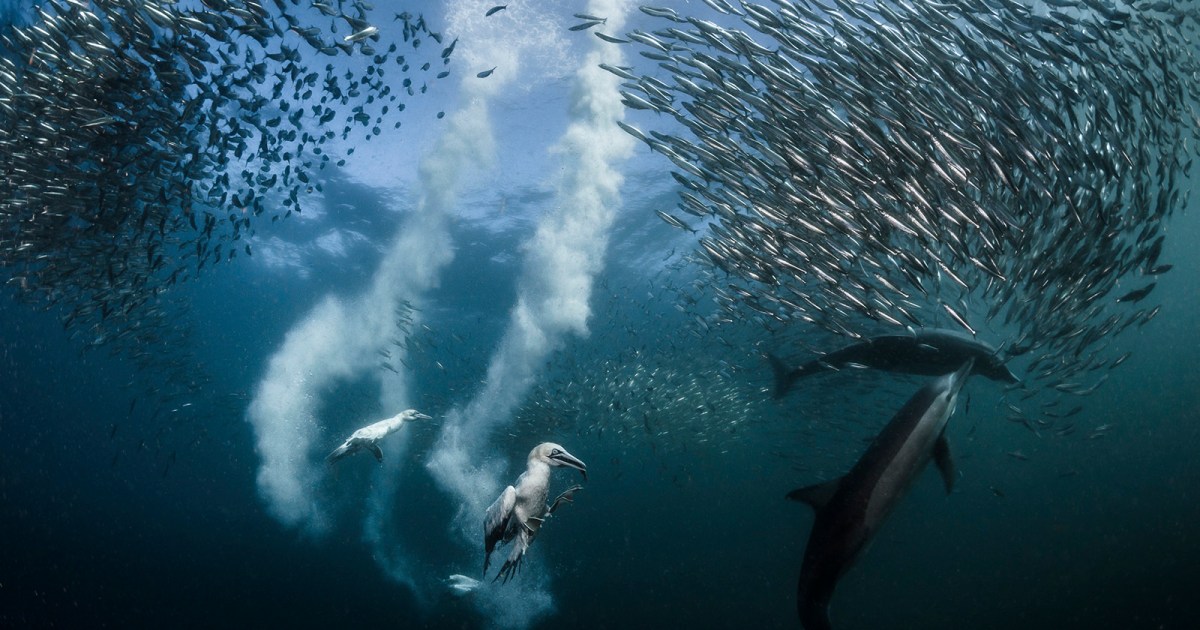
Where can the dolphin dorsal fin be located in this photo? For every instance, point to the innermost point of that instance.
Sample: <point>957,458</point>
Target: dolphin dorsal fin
<point>817,495</point>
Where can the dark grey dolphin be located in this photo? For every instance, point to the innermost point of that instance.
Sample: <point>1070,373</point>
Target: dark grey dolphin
<point>928,352</point>
<point>851,509</point>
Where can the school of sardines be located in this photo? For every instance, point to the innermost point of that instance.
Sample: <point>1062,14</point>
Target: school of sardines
<point>1002,167</point>
<point>141,141</point>
<point>982,165</point>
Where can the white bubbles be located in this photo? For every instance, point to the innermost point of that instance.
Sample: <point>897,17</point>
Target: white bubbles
<point>338,340</point>
<point>314,354</point>
<point>554,291</point>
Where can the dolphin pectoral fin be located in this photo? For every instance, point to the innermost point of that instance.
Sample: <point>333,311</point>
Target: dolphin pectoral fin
<point>375,450</point>
<point>945,463</point>
<point>785,376</point>
<point>1007,375</point>
<point>817,495</point>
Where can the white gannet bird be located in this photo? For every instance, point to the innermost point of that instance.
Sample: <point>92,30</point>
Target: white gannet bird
<point>368,437</point>
<point>520,511</point>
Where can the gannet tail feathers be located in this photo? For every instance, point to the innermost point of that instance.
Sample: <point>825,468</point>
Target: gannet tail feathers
<point>340,452</point>
<point>512,565</point>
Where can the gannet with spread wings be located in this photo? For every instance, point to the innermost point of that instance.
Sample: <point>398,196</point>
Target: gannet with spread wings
<point>518,514</point>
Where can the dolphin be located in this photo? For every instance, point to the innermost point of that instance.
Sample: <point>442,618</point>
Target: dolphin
<point>928,352</point>
<point>519,511</point>
<point>369,436</point>
<point>851,509</point>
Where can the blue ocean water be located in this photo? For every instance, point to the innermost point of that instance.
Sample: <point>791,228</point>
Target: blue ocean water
<point>124,503</point>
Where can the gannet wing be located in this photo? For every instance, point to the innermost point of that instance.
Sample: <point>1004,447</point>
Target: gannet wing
<point>373,431</point>
<point>375,450</point>
<point>496,522</point>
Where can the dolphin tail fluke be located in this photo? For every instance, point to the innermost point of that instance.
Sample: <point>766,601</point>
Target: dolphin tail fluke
<point>814,615</point>
<point>812,600</point>
<point>785,376</point>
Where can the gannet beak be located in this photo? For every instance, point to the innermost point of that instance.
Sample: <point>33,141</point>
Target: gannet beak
<point>566,459</point>
<point>420,416</point>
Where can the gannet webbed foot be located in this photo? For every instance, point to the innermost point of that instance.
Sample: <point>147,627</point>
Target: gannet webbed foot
<point>568,496</point>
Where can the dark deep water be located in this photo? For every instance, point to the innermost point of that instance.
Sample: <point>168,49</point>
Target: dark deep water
<point>126,504</point>
<point>1088,533</point>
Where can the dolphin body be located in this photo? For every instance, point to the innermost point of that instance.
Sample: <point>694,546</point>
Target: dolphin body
<point>851,509</point>
<point>928,352</point>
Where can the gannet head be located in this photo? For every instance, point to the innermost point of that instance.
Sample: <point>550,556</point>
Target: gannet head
<point>411,414</point>
<point>555,455</point>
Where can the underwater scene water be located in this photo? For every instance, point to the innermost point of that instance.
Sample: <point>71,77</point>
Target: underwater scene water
<point>840,313</point>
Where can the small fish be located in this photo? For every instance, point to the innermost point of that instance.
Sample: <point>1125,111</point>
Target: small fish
<point>494,10</point>
<point>610,39</point>
<point>674,221</point>
<point>958,319</point>
<point>1137,295</point>
<point>485,74</point>
<point>358,36</point>
<point>97,122</point>
<point>583,26</point>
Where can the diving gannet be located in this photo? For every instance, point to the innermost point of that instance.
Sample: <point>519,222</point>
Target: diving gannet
<point>520,511</point>
<point>368,437</point>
